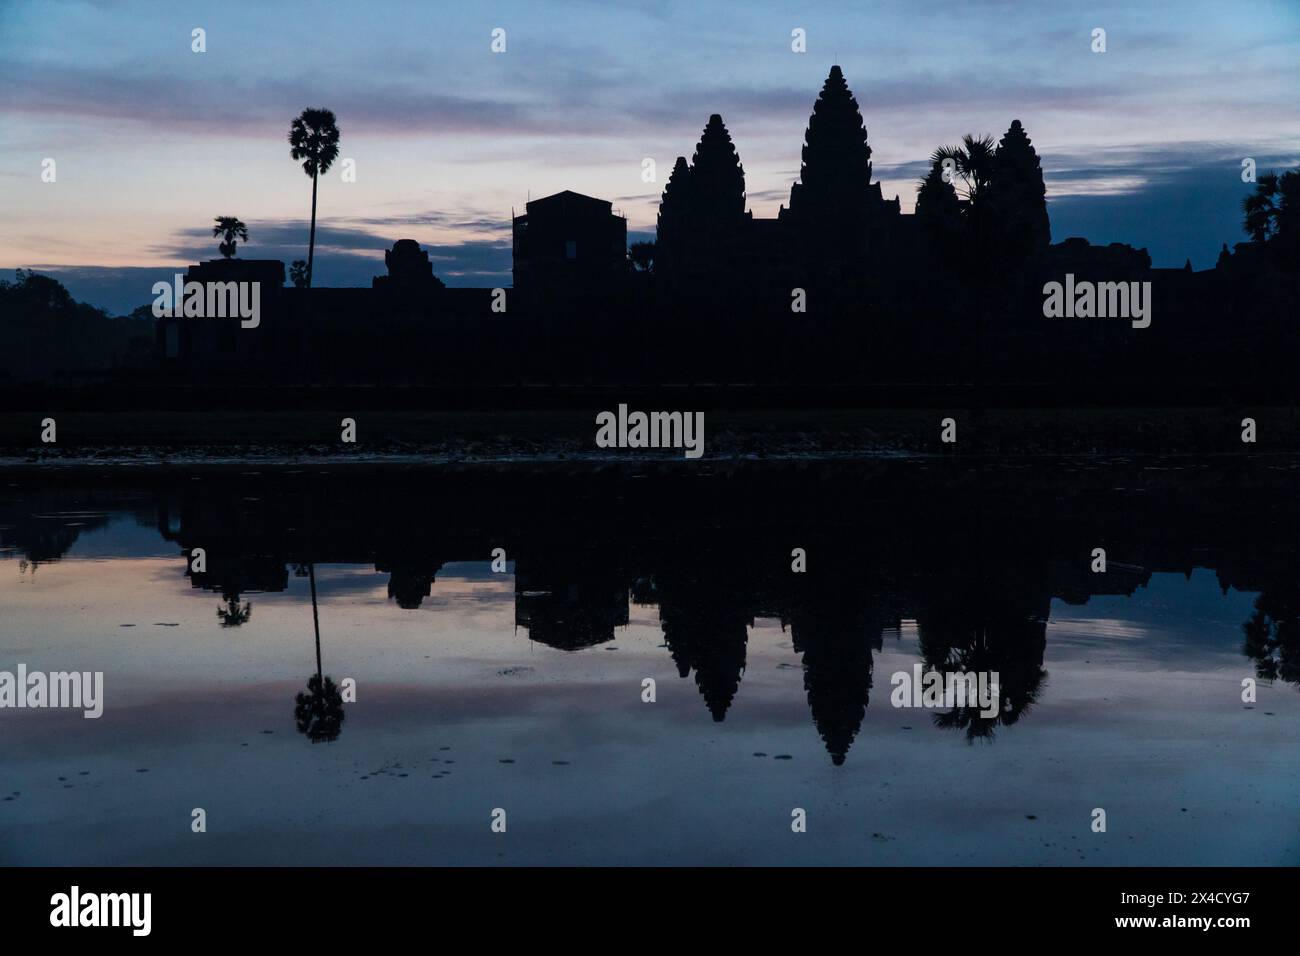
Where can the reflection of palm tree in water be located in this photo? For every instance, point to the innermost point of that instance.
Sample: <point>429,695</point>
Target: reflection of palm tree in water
<point>233,614</point>
<point>1009,642</point>
<point>1273,635</point>
<point>319,712</point>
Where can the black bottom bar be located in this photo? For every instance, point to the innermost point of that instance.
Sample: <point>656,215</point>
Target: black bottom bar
<point>949,905</point>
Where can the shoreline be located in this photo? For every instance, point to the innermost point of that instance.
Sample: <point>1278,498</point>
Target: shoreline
<point>399,436</point>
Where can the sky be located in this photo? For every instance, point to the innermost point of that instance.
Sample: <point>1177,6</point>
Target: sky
<point>1140,144</point>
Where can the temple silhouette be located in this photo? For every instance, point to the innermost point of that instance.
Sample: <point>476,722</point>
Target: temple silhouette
<point>843,286</point>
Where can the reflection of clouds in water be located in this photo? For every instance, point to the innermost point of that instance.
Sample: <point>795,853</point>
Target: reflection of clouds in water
<point>463,586</point>
<point>1143,729</point>
<point>1187,618</point>
<point>335,579</point>
<point>471,599</point>
<point>1098,628</point>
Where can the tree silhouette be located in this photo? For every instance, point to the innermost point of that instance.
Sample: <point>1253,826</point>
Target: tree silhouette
<point>971,164</point>
<point>232,613</point>
<point>34,294</point>
<point>298,273</point>
<point>642,256</point>
<point>970,168</point>
<point>314,139</point>
<point>962,637</point>
<point>1273,634</point>
<point>1272,216</point>
<point>230,229</point>
<point>1268,206</point>
<point>319,711</point>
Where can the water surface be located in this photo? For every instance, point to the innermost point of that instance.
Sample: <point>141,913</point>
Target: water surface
<point>523,689</point>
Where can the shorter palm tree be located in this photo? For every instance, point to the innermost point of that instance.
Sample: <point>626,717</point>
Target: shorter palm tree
<point>232,613</point>
<point>1273,220</point>
<point>642,256</point>
<point>1273,206</point>
<point>971,165</point>
<point>230,229</point>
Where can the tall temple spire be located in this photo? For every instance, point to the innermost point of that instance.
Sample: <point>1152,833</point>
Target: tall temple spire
<point>1017,194</point>
<point>702,211</point>
<point>673,233</point>
<point>838,222</point>
<point>836,169</point>
<point>718,178</point>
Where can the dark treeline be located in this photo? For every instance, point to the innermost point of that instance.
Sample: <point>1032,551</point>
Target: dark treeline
<point>974,555</point>
<point>47,336</point>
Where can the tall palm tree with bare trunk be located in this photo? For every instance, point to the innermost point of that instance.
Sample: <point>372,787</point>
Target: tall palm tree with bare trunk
<point>314,139</point>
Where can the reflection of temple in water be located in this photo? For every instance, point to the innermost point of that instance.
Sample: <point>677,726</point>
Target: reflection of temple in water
<point>976,565</point>
<point>836,630</point>
<point>409,584</point>
<point>569,598</point>
<point>706,628</point>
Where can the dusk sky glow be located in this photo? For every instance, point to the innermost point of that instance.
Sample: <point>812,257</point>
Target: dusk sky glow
<point>1141,144</point>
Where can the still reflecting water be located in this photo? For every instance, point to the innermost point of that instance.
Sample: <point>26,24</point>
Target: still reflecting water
<point>523,690</point>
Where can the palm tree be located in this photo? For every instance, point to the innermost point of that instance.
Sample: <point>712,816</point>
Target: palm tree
<point>234,614</point>
<point>972,168</point>
<point>1263,207</point>
<point>642,256</point>
<point>1273,216</point>
<point>314,139</point>
<point>229,228</point>
<point>972,165</point>
<point>1273,220</point>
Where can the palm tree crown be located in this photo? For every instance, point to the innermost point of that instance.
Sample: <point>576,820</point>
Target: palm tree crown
<point>972,164</point>
<point>1274,207</point>
<point>314,138</point>
<point>229,228</point>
